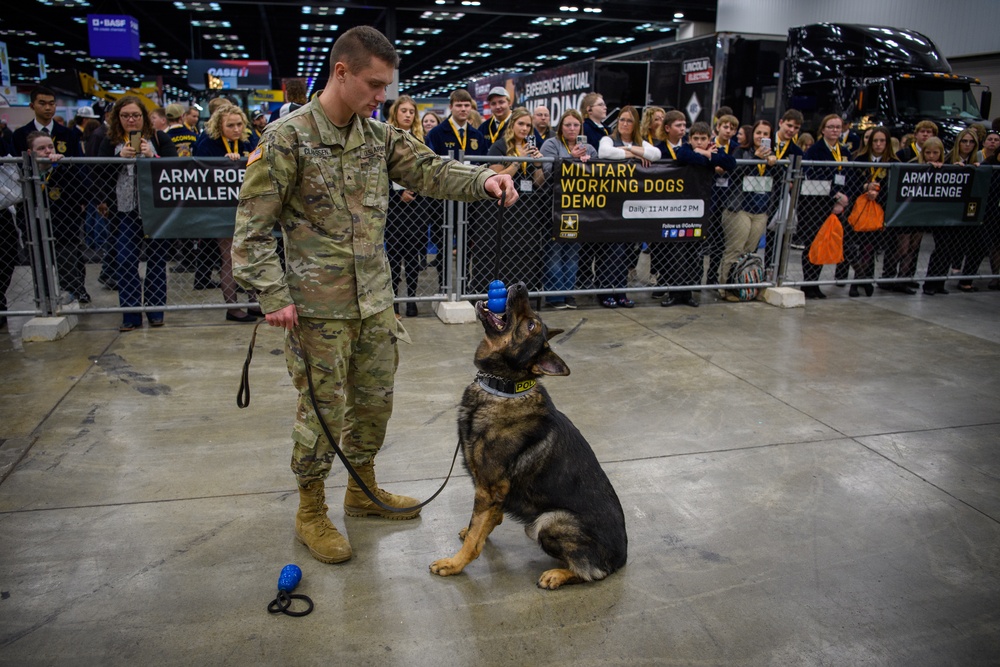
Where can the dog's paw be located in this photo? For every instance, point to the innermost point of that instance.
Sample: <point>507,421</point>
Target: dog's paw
<point>553,579</point>
<point>462,533</point>
<point>447,567</point>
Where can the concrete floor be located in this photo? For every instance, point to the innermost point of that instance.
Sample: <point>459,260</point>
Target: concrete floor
<point>815,486</point>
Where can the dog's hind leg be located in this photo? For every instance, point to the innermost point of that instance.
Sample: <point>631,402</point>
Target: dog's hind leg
<point>556,577</point>
<point>487,514</point>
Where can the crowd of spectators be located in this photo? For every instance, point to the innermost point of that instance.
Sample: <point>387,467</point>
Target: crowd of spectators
<point>96,208</point>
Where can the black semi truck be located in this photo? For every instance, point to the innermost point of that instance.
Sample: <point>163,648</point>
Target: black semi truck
<point>870,75</point>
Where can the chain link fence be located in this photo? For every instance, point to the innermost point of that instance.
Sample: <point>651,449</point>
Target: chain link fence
<point>72,241</point>
<point>922,255</point>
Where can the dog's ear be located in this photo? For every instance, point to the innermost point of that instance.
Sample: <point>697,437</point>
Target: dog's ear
<point>552,333</point>
<point>549,363</point>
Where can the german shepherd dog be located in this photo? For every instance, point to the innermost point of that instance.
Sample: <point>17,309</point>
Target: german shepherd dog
<point>528,460</point>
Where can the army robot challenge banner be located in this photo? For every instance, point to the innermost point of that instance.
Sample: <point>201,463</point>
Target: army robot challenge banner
<point>614,201</point>
<point>189,198</point>
<point>928,196</point>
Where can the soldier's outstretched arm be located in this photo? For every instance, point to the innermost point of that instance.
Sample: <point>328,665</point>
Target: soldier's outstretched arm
<point>497,185</point>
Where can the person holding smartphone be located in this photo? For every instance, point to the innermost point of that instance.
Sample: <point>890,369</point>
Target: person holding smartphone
<point>131,135</point>
<point>750,202</point>
<point>563,257</point>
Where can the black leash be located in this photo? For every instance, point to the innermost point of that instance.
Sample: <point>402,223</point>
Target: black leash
<point>243,400</point>
<point>290,577</point>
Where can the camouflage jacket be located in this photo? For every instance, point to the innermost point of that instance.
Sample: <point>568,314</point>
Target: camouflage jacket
<point>328,194</point>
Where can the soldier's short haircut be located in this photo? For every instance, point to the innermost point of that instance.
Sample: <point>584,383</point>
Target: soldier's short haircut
<point>356,47</point>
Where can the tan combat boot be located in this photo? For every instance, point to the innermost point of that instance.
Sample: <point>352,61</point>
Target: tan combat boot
<point>356,503</point>
<point>313,527</point>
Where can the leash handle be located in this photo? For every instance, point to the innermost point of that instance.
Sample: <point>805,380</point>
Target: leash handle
<point>499,236</point>
<point>243,393</point>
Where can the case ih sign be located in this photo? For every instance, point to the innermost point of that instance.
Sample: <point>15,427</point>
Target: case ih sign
<point>698,70</point>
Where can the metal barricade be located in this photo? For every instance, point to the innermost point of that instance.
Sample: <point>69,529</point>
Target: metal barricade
<point>895,258</point>
<point>21,261</point>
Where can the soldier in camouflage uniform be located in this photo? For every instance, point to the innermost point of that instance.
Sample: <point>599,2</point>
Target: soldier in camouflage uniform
<point>322,174</point>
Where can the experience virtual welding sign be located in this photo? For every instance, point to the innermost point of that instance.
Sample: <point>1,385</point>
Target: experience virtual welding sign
<point>614,201</point>
<point>189,197</point>
<point>929,196</point>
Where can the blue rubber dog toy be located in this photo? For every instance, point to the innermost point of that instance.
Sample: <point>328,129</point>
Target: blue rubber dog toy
<point>497,297</point>
<point>289,578</point>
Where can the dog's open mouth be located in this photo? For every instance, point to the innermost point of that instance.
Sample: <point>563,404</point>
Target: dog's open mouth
<point>497,322</point>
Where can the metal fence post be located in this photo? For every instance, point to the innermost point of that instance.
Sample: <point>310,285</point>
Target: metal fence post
<point>39,239</point>
<point>785,232</point>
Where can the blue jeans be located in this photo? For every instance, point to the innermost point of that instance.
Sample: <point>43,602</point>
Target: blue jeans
<point>128,240</point>
<point>562,259</point>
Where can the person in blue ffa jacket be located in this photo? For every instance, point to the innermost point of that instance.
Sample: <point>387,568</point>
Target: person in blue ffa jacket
<point>43,103</point>
<point>823,192</point>
<point>680,261</point>
<point>228,135</point>
<point>456,134</point>
<point>493,129</point>
<point>594,111</point>
<point>726,126</point>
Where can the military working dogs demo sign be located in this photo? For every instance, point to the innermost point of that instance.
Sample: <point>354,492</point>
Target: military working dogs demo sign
<point>189,197</point>
<point>612,201</point>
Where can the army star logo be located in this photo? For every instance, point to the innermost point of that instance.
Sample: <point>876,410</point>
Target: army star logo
<point>569,226</point>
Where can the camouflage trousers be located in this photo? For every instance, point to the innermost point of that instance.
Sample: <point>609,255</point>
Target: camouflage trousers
<point>353,366</point>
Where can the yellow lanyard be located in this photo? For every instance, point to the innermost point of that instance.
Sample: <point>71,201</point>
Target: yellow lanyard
<point>916,151</point>
<point>524,165</point>
<point>461,140</point>
<point>877,173</point>
<point>671,149</point>
<point>494,135</point>
<point>836,154</point>
<point>724,148</point>
<point>779,152</point>
<point>230,149</point>
<point>563,140</point>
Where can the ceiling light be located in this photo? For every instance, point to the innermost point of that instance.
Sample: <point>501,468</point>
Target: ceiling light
<point>495,45</point>
<point>470,3</point>
<point>679,15</point>
<point>475,54</point>
<point>319,27</point>
<point>198,6</point>
<point>64,3</point>
<point>442,16</point>
<point>459,61</point>
<point>552,21</point>
<point>564,8</point>
<point>410,42</point>
<point>614,40</point>
<point>580,49</point>
<point>221,38</point>
<point>592,10</point>
<point>423,31</point>
<point>323,11</point>
<point>653,27</point>
<point>552,57</point>
<point>211,24</point>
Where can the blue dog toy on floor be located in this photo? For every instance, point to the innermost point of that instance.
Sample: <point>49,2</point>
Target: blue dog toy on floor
<point>289,578</point>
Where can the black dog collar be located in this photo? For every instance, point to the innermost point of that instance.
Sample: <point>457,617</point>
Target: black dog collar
<point>499,386</point>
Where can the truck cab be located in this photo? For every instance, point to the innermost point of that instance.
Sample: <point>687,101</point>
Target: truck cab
<point>874,75</point>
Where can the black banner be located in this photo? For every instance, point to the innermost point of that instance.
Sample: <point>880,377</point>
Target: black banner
<point>614,201</point>
<point>928,196</point>
<point>189,197</point>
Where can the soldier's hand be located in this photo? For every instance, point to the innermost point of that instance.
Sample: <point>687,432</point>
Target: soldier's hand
<point>286,318</point>
<point>499,183</point>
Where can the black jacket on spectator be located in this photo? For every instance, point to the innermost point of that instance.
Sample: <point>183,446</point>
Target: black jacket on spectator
<point>65,139</point>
